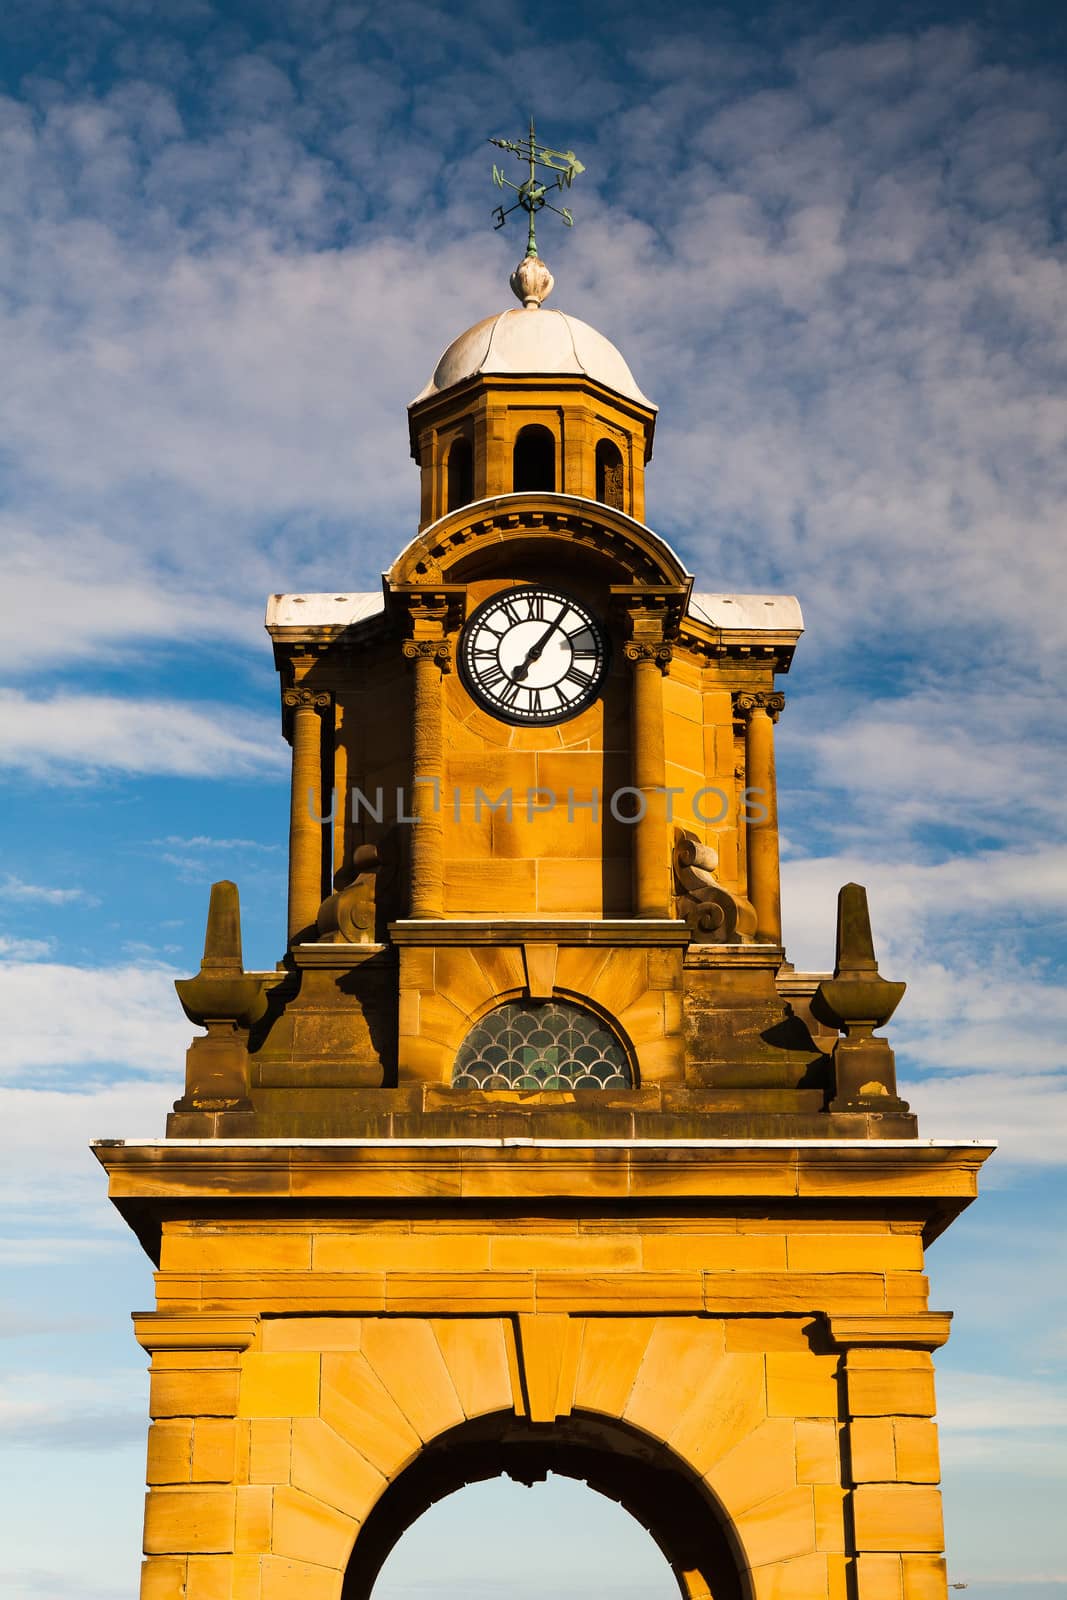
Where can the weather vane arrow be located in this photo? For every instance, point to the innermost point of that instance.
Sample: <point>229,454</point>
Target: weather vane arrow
<point>533,192</point>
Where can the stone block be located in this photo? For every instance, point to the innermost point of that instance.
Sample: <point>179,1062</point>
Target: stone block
<point>327,1466</point>
<point>897,1516</point>
<point>163,1578</point>
<point>475,1354</point>
<point>203,1251</point>
<point>480,888</point>
<point>484,1292</point>
<point>194,1393</point>
<point>796,1291</point>
<point>310,1333</point>
<point>210,1578</point>
<point>583,1253</point>
<point>611,1354</point>
<point>761,1465</point>
<point>308,1530</point>
<point>730,1404</point>
<point>893,1392</point>
<point>269,1449</point>
<point>365,1252</point>
<point>395,1349</point>
<point>802,1385</point>
<point>188,1520</point>
<point>285,1384</point>
<point>357,1406</point>
<point>917,1455</point>
<point>907,1292</point>
<point>806,1578</point>
<point>769,1333</point>
<point>871,1450</point>
<point>878,1577</point>
<point>214,1450</point>
<point>818,1454</point>
<point>246,1578</point>
<point>862,1252</point>
<point>830,1517</point>
<point>252,1524</point>
<point>779,1528</point>
<point>282,1579</point>
<point>714,1252</point>
<point>925,1577</point>
<point>170,1452</point>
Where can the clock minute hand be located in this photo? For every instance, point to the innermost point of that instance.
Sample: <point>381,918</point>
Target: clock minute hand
<point>534,652</point>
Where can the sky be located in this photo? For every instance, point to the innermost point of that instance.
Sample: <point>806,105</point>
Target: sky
<point>234,239</point>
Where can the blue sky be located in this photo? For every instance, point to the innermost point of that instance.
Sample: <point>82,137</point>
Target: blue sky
<point>233,241</point>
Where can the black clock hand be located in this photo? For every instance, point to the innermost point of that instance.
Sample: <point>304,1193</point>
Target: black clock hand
<point>534,652</point>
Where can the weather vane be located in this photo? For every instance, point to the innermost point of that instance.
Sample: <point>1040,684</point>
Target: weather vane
<point>533,192</point>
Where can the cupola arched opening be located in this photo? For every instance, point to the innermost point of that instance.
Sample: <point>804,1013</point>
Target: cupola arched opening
<point>460,471</point>
<point>534,461</point>
<point>609,474</point>
<point>529,1044</point>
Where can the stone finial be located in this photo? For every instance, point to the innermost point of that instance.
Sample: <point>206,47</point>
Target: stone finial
<point>222,991</point>
<point>531,282</point>
<point>855,999</point>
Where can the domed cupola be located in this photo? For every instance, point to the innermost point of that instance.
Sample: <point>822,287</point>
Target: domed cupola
<point>527,401</point>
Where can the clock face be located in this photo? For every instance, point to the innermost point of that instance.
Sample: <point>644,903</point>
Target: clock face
<point>533,656</point>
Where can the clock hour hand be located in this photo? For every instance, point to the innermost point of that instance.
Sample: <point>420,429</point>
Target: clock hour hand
<point>534,652</point>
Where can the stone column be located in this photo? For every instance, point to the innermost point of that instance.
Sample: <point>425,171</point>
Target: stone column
<point>430,657</point>
<point>651,853</point>
<point>306,890</point>
<point>760,712</point>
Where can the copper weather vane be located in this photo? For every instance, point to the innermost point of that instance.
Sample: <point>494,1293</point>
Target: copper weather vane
<point>533,192</point>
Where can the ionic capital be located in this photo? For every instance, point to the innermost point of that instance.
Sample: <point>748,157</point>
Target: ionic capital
<point>745,702</point>
<point>439,650</point>
<point>660,653</point>
<point>302,699</point>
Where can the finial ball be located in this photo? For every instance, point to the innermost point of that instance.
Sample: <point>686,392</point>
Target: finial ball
<point>531,282</point>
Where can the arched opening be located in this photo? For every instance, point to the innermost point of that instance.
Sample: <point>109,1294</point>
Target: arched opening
<point>530,1044</point>
<point>614,1459</point>
<point>534,461</point>
<point>460,474</point>
<point>556,1538</point>
<point>609,474</point>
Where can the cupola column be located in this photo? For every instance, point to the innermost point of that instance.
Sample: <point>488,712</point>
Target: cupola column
<point>305,811</point>
<point>429,650</point>
<point>760,712</point>
<point>651,885</point>
<point>649,616</point>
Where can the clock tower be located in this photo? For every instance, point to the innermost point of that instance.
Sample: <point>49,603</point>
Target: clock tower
<point>534,1153</point>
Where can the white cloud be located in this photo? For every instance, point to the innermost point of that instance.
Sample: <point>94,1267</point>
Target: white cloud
<point>68,736</point>
<point>203,842</point>
<point>1026,1115</point>
<point>59,1017</point>
<point>13,888</point>
<point>985,1402</point>
<point>51,1410</point>
<point>24,949</point>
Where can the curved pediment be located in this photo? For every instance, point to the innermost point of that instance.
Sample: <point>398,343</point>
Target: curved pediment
<point>479,540</point>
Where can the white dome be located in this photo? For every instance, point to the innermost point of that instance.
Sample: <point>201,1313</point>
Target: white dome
<point>536,342</point>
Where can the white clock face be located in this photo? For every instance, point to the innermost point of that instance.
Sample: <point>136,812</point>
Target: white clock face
<point>533,656</point>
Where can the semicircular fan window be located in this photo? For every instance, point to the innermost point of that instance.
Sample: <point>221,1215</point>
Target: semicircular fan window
<point>525,1045</point>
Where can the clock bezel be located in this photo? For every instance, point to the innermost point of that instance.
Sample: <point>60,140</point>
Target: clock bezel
<point>516,719</point>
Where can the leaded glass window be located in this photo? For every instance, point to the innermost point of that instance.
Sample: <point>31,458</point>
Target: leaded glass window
<point>522,1045</point>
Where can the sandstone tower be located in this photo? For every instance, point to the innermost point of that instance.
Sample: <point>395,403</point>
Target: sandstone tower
<point>534,1152</point>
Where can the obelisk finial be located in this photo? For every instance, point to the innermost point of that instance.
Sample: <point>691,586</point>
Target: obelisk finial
<point>531,281</point>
